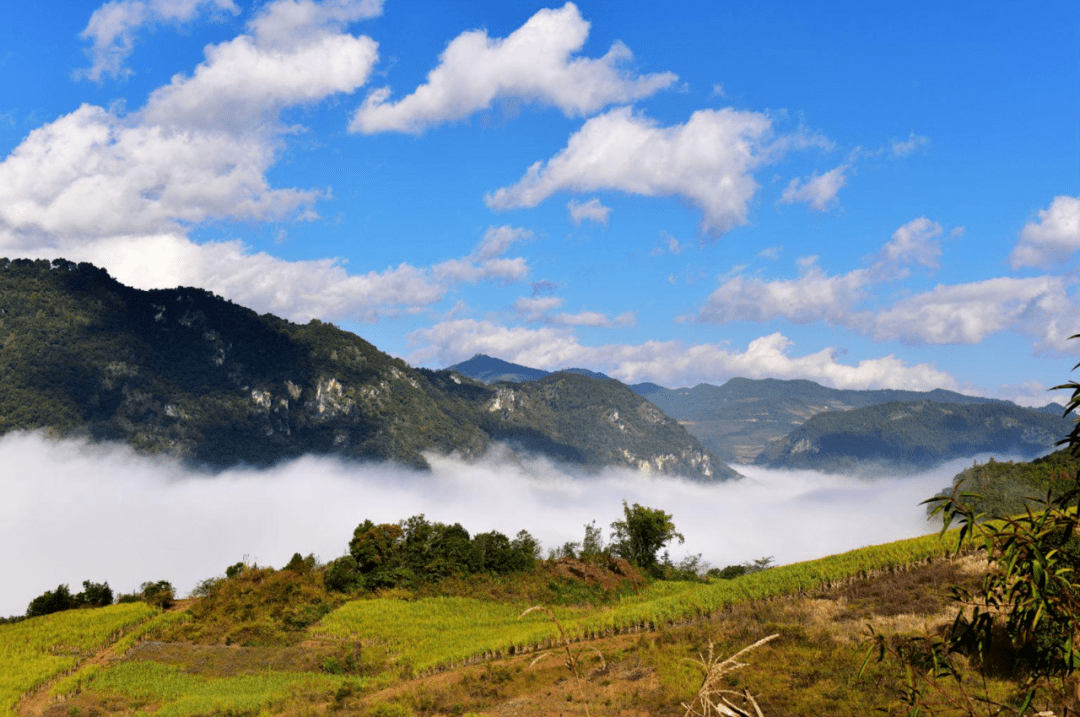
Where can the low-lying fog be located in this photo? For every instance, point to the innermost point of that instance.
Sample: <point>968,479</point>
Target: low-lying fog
<point>71,511</point>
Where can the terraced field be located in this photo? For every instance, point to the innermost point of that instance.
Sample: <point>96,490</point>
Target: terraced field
<point>375,654</point>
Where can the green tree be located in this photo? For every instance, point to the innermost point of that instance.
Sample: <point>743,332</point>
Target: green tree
<point>640,536</point>
<point>51,601</point>
<point>95,594</point>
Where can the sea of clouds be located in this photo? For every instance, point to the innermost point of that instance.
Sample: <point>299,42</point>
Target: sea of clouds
<point>72,511</point>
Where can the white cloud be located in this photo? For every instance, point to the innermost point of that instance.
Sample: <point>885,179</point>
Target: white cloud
<point>197,151</point>
<point>592,211</point>
<point>708,160</point>
<point>295,290</point>
<point>122,190</point>
<point>244,81</point>
<point>498,240</point>
<point>902,148</point>
<point>285,24</point>
<point>817,190</point>
<point>1026,393</point>
<point>1053,238</point>
<point>1040,307</point>
<point>968,313</point>
<point>113,26</point>
<point>814,296</point>
<point>537,62</point>
<point>668,244</point>
<point>668,363</point>
<point>92,173</point>
<point>914,243</point>
<point>485,263</point>
<point>541,310</point>
<point>97,496</point>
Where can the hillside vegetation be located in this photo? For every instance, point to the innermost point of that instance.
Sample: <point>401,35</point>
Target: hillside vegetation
<point>463,648</point>
<point>183,372</point>
<point>1009,488</point>
<point>913,436</point>
<point>743,418</point>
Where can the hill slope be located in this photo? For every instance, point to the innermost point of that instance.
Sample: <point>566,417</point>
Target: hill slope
<point>738,420</point>
<point>913,436</point>
<point>184,372</point>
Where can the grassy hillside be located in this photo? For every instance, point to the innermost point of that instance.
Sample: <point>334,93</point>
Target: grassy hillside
<point>466,648</point>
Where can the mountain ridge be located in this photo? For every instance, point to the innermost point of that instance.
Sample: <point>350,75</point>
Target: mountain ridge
<point>742,418</point>
<point>186,373</point>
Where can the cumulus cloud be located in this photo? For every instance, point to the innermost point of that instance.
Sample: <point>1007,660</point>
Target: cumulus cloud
<point>537,62</point>
<point>668,363</point>
<point>817,190</point>
<point>197,151</point>
<point>1053,238</point>
<point>708,160</point>
<point>287,23</point>
<point>122,190</point>
<point>914,243</point>
<point>968,313</point>
<point>113,27</point>
<point>1043,308</point>
<point>97,497</point>
<point>591,211</point>
<point>814,296</point>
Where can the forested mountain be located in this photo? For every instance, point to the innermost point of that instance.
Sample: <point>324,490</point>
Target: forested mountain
<point>184,372</point>
<point>736,421</point>
<point>906,436</point>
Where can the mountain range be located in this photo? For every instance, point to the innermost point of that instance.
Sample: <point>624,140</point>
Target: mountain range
<point>186,373</point>
<point>776,423</point>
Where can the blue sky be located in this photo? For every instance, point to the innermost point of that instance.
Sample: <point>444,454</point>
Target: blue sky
<point>865,195</point>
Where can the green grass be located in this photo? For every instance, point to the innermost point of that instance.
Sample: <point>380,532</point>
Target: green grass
<point>428,633</point>
<point>36,650</point>
<point>174,693</point>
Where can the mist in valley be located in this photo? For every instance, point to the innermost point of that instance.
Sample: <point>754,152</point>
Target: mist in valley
<point>74,511</point>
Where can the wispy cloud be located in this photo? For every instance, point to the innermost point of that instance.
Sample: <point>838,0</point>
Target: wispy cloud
<point>817,190</point>
<point>113,27</point>
<point>591,211</point>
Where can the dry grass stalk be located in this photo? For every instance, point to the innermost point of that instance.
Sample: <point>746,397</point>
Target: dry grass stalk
<point>573,658</point>
<point>711,699</point>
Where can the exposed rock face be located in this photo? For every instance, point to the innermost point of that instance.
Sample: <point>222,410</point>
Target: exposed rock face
<point>184,372</point>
